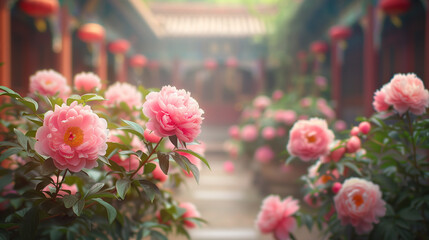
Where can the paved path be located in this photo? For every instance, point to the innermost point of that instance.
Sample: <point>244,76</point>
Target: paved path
<point>229,202</point>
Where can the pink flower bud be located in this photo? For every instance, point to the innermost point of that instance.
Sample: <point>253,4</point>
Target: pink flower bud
<point>353,144</point>
<point>364,127</point>
<point>355,131</point>
<point>336,187</point>
<point>337,154</point>
<point>228,167</point>
<point>151,136</point>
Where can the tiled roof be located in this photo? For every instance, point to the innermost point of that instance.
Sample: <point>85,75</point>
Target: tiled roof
<point>206,20</point>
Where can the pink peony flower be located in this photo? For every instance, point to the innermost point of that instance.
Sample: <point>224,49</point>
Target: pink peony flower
<point>228,167</point>
<point>73,136</point>
<point>12,162</point>
<point>150,136</point>
<point>264,154</point>
<point>261,102</point>
<point>287,117</point>
<point>234,132</point>
<point>353,144</point>
<point>249,133</point>
<point>325,109</point>
<point>87,82</point>
<point>276,216</point>
<point>277,95</point>
<point>268,133</point>
<point>364,127</point>
<point>407,92</point>
<point>191,212</point>
<point>305,102</point>
<point>340,125</point>
<point>173,112</point>
<point>49,83</point>
<point>158,174</point>
<point>310,139</point>
<point>320,81</point>
<point>123,92</point>
<point>379,102</point>
<point>359,203</point>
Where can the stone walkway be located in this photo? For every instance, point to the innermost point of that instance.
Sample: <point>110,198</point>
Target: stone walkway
<point>228,201</point>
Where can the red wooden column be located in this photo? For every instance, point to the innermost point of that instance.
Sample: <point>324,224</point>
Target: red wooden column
<point>175,75</point>
<point>426,80</point>
<point>5,45</point>
<point>102,63</point>
<point>336,76</point>
<point>370,64</point>
<point>65,56</point>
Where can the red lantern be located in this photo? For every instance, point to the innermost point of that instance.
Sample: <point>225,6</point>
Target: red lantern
<point>119,46</point>
<point>319,47</point>
<point>210,64</point>
<point>138,60</point>
<point>340,33</point>
<point>394,7</point>
<point>39,8</point>
<point>231,62</point>
<point>91,32</point>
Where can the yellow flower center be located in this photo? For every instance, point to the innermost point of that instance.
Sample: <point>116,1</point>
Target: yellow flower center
<point>357,200</point>
<point>73,136</point>
<point>48,82</point>
<point>311,137</point>
<point>325,178</point>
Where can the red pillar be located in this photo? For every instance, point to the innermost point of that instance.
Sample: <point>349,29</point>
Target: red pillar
<point>370,62</point>
<point>175,76</point>
<point>122,71</point>
<point>65,57</point>
<point>426,62</point>
<point>5,45</point>
<point>102,64</point>
<point>336,76</point>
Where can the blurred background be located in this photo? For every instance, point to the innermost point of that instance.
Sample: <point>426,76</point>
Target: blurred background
<point>225,52</point>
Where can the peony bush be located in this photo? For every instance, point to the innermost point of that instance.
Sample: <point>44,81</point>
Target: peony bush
<point>97,165</point>
<point>371,183</point>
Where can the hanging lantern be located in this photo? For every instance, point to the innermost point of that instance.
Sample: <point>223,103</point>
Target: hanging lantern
<point>231,62</point>
<point>210,64</point>
<point>319,48</point>
<point>120,46</point>
<point>138,61</point>
<point>340,34</point>
<point>39,9</point>
<point>393,8</point>
<point>91,32</point>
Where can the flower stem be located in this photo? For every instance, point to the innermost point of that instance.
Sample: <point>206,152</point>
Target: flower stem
<point>59,184</point>
<point>413,143</point>
<point>142,163</point>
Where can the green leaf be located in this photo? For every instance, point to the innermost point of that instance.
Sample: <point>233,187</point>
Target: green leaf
<point>10,152</point>
<point>410,214</point>
<point>149,167</point>
<point>186,165</point>
<point>111,211</point>
<point>150,189</point>
<point>173,140</point>
<point>134,126</point>
<point>48,167</point>
<point>22,139</point>
<point>290,159</point>
<point>103,159</point>
<point>70,200</point>
<point>155,235</point>
<point>29,224</point>
<point>122,186</point>
<point>92,97</point>
<point>94,189</point>
<point>73,98</point>
<point>195,155</point>
<point>353,167</point>
<point>164,161</point>
<point>9,92</point>
<point>30,103</point>
<point>78,207</point>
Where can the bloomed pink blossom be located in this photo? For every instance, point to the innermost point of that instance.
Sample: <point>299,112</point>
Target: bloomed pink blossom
<point>158,174</point>
<point>264,154</point>
<point>340,125</point>
<point>364,127</point>
<point>198,148</point>
<point>268,133</point>
<point>87,82</point>
<point>49,83</point>
<point>191,212</point>
<point>320,81</point>
<point>173,112</point>
<point>353,144</point>
<point>276,216</point>
<point>73,136</point>
<point>123,92</point>
<point>379,102</point>
<point>287,117</point>
<point>261,102</point>
<point>249,133</point>
<point>305,102</point>
<point>359,203</point>
<point>277,95</point>
<point>234,132</point>
<point>228,167</point>
<point>310,139</point>
<point>12,162</point>
<point>325,109</point>
<point>407,92</point>
<point>151,136</point>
